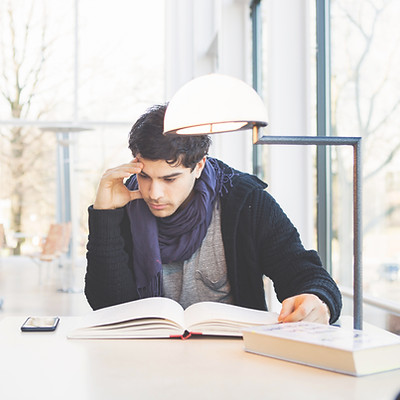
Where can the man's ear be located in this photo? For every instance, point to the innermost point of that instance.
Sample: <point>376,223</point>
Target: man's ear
<point>198,169</point>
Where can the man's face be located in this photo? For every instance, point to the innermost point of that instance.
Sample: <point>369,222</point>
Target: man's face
<point>165,187</point>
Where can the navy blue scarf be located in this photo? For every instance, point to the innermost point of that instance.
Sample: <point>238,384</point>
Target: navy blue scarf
<point>158,241</point>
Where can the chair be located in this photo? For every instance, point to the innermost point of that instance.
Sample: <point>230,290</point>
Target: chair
<point>54,246</point>
<point>2,236</point>
<point>66,237</point>
<point>3,245</point>
<point>3,239</point>
<point>52,243</point>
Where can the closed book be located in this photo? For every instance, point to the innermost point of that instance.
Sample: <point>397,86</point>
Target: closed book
<point>349,351</point>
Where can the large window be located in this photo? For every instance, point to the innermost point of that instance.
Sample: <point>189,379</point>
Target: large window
<point>365,101</point>
<point>353,50</point>
<point>88,66</point>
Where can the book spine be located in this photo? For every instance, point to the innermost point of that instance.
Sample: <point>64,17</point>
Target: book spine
<point>186,335</point>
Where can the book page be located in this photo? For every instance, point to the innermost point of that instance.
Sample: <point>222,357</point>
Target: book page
<point>138,328</point>
<point>153,307</point>
<point>225,317</point>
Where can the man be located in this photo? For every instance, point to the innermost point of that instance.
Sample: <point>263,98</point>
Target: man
<point>191,228</point>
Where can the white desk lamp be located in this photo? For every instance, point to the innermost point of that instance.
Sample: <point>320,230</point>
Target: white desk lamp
<point>214,103</point>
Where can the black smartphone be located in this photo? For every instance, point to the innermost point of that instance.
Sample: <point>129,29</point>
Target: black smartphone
<point>40,324</point>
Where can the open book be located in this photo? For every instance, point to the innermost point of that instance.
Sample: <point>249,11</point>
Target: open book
<point>348,351</point>
<point>161,317</point>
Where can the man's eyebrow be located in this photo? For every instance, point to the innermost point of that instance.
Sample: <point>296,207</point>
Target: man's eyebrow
<point>173,175</point>
<point>169,176</point>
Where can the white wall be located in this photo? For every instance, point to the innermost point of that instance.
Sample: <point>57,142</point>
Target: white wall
<point>205,36</point>
<point>288,94</point>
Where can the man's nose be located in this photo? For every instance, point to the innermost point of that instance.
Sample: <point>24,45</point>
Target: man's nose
<point>155,191</point>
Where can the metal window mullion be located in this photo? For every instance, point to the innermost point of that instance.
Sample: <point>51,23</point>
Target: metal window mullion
<point>256,25</point>
<point>324,192</point>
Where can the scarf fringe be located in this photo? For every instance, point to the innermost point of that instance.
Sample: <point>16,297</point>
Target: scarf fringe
<point>224,176</point>
<point>153,288</point>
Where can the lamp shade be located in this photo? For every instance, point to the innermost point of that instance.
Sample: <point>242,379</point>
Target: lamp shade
<point>214,103</point>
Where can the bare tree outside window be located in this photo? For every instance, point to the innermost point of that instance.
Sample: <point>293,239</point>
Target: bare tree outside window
<point>60,66</point>
<point>366,102</point>
<point>27,153</point>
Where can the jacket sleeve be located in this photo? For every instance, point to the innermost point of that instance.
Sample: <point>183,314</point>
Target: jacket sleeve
<point>109,276</point>
<point>293,269</point>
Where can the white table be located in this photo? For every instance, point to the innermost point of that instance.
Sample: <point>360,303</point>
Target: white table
<point>50,366</point>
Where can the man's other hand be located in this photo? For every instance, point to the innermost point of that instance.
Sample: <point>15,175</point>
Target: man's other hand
<point>304,307</point>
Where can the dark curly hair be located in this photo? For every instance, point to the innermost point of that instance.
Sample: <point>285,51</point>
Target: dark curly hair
<point>146,138</point>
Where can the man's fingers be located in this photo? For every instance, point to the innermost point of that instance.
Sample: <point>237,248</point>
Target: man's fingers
<point>294,309</point>
<point>302,313</point>
<point>135,194</point>
<point>306,307</point>
<point>123,171</point>
<point>287,309</point>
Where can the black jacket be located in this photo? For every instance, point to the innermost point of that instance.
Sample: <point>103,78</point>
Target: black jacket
<point>258,239</point>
